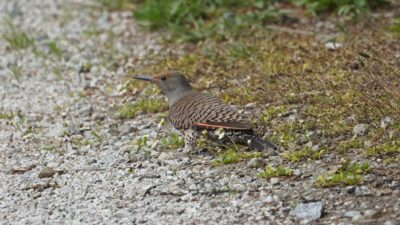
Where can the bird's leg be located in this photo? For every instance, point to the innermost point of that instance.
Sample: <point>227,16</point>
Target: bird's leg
<point>191,137</point>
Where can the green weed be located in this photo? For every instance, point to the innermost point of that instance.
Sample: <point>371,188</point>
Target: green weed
<point>389,148</point>
<point>234,156</point>
<point>6,116</point>
<point>396,26</point>
<point>57,71</point>
<point>347,174</point>
<point>306,153</point>
<point>142,145</point>
<point>194,20</point>
<point>16,38</point>
<point>279,171</point>
<point>131,110</point>
<point>54,49</point>
<point>173,141</point>
<point>341,7</point>
<point>79,142</point>
<point>16,71</point>
<point>350,144</point>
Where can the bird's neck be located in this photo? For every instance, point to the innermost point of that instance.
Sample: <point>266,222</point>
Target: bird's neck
<point>177,94</point>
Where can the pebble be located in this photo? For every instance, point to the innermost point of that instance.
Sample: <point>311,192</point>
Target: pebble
<point>386,122</point>
<point>360,129</point>
<point>46,172</point>
<point>354,215</point>
<point>256,163</point>
<point>309,211</point>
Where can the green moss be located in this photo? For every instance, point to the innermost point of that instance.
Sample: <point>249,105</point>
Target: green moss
<point>98,138</point>
<point>16,38</point>
<point>347,174</point>
<point>6,116</point>
<point>391,148</point>
<point>173,141</point>
<point>350,144</point>
<point>57,71</point>
<point>16,71</point>
<point>234,156</point>
<point>54,49</point>
<point>280,171</point>
<point>273,112</point>
<point>79,142</point>
<point>132,171</point>
<point>344,7</point>
<point>395,28</point>
<point>131,110</point>
<point>306,153</point>
<point>142,142</point>
<point>194,20</point>
<point>391,160</point>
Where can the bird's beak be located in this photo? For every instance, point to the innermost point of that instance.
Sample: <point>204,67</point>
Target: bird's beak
<point>145,78</point>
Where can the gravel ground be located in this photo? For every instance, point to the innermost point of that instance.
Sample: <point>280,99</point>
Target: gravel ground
<point>66,159</point>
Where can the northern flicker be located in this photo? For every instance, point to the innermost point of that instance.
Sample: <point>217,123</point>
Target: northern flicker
<point>192,112</point>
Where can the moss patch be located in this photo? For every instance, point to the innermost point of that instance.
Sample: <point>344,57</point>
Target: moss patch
<point>347,174</point>
<point>279,171</point>
<point>131,110</point>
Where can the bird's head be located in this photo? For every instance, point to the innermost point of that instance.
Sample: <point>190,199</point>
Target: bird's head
<point>172,83</point>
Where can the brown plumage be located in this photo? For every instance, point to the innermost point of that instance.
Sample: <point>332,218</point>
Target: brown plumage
<point>192,111</point>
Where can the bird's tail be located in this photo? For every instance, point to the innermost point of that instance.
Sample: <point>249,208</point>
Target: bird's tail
<point>263,145</point>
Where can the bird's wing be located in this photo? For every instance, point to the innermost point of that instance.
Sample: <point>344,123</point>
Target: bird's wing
<point>235,125</point>
<point>202,111</point>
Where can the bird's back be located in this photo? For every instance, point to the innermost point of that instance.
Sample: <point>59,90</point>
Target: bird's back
<point>199,108</point>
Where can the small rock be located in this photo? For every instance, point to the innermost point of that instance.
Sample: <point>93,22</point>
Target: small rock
<point>256,163</point>
<point>86,111</point>
<point>333,45</point>
<point>309,144</point>
<point>292,118</point>
<point>351,189</point>
<point>386,122</point>
<point>367,144</point>
<point>250,105</point>
<point>354,215</point>
<point>311,210</point>
<point>370,213</point>
<point>46,172</point>
<point>166,156</point>
<point>297,172</point>
<point>360,129</point>
<point>315,148</point>
<point>86,126</point>
<point>98,116</point>
<point>269,199</point>
<point>126,129</point>
<point>274,181</point>
<point>72,131</point>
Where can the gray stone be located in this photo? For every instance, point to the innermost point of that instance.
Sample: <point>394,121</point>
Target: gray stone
<point>310,211</point>
<point>386,122</point>
<point>354,215</point>
<point>256,163</point>
<point>370,213</point>
<point>46,172</point>
<point>274,180</point>
<point>360,129</point>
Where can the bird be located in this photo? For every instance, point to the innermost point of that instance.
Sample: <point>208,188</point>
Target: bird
<point>193,113</point>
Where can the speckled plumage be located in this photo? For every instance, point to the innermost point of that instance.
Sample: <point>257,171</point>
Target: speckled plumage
<point>192,111</point>
<point>197,107</point>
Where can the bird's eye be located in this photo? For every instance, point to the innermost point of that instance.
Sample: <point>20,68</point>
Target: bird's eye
<point>163,78</point>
